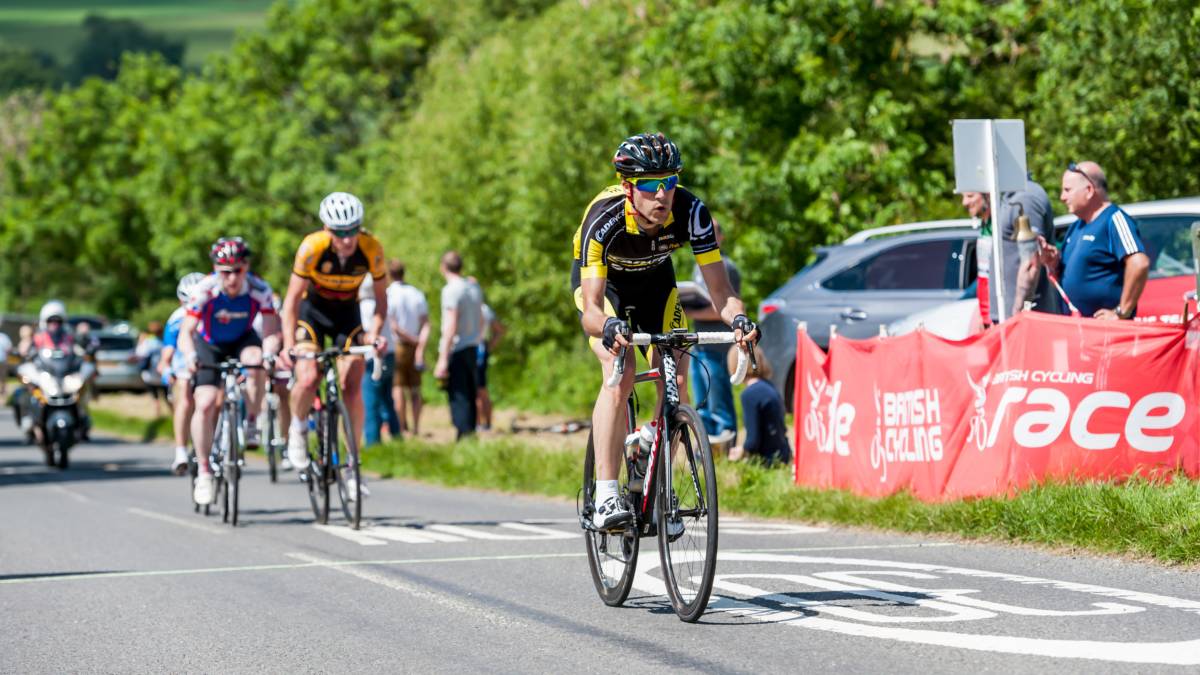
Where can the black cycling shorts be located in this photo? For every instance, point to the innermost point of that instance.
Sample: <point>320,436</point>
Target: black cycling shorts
<point>209,354</point>
<point>320,322</point>
<point>651,297</point>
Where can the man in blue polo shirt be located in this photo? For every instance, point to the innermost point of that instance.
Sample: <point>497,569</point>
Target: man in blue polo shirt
<point>1103,263</point>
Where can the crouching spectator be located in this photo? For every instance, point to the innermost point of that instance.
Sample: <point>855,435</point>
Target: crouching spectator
<point>762,415</point>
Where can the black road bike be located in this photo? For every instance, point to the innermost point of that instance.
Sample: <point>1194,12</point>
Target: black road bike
<point>671,492</point>
<point>227,456</point>
<point>337,460</point>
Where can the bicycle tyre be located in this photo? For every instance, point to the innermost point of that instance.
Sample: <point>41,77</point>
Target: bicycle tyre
<point>269,440</point>
<point>193,472</point>
<point>233,470</point>
<point>611,573</point>
<point>694,504</point>
<point>325,453</point>
<point>347,464</point>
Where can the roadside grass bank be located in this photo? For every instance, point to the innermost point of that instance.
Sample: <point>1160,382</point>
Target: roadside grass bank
<point>131,426</point>
<point>1157,519</point>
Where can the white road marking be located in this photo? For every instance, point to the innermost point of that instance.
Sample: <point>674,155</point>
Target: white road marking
<point>413,535</point>
<point>441,599</point>
<point>1185,652</point>
<point>178,521</point>
<point>71,493</point>
<point>85,576</point>
<point>356,536</point>
<point>531,532</point>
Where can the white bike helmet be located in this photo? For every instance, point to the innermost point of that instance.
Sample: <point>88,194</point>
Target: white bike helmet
<point>187,283</point>
<point>341,211</point>
<point>53,308</point>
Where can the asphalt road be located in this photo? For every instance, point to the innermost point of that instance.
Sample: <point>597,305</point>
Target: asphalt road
<point>104,568</point>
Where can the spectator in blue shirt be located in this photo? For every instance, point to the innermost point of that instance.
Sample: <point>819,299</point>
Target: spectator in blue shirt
<point>1103,263</point>
<point>762,416</point>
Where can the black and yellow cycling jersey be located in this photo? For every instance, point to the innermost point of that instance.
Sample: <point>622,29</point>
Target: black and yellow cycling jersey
<point>609,238</point>
<point>332,279</point>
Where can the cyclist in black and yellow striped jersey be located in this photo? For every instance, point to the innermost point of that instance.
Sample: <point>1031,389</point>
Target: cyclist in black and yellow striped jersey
<point>322,306</point>
<point>622,258</point>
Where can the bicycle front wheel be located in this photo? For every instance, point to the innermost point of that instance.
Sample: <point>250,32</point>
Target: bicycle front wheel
<point>347,470</point>
<point>686,512</point>
<point>269,443</point>
<point>233,469</point>
<point>612,556</point>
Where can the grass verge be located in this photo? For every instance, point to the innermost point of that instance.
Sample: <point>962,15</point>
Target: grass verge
<point>145,430</point>
<point>1141,517</point>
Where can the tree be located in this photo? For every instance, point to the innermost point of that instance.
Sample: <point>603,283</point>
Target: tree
<point>22,68</point>
<point>106,40</point>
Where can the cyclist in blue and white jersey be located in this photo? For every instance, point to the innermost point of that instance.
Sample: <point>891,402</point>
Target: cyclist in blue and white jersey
<point>221,314</point>
<point>173,369</point>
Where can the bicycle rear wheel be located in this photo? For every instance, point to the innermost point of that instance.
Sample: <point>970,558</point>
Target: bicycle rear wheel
<point>612,556</point>
<point>233,470</point>
<point>687,516</point>
<point>349,481</point>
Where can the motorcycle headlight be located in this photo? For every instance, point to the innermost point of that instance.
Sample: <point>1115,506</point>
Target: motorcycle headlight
<point>49,384</point>
<point>72,383</point>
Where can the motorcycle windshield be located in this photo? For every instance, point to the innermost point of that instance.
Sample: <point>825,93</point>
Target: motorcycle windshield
<point>58,364</point>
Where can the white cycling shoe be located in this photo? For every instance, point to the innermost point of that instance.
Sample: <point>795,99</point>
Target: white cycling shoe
<point>297,449</point>
<point>362,485</point>
<point>611,513</point>
<point>179,467</point>
<point>205,490</point>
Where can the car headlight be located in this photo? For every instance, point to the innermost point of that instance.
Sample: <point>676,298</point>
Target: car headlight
<point>49,384</point>
<point>72,383</point>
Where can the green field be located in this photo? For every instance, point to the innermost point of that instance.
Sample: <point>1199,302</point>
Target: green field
<point>206,26</point>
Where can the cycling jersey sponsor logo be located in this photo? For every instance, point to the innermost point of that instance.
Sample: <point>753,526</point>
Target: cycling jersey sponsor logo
<point>1042,414</point>
<point>908,428</point>
<point>699,226</point>
<point>827,422</point>
<point>225,316</point>
<point>327,267</point>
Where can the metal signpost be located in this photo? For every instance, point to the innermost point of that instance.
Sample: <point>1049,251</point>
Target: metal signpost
<point>989,156</point>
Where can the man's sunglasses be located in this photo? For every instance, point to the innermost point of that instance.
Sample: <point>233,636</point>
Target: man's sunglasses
<point>231,271</point>
<point>666,183</point>
<point>1073,167</point>
<point>345,234</point>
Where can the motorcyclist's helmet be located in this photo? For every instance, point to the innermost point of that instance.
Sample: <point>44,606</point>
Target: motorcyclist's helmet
<point>229,251</point>
<point>341,212</point>
<point>647,155</point>
<point>187,283</point>
<point>53,309</point>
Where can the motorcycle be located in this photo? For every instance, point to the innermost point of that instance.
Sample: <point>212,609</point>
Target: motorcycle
<point>56,382</point>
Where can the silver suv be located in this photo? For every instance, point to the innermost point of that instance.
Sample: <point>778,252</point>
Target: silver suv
<point>867,282</point>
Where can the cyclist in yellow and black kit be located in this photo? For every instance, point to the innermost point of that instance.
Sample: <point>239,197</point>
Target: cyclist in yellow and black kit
<point>322,306</point>
<point>623,259</point>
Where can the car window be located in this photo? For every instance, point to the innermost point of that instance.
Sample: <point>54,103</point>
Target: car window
<point>1168,243</point>
<point>116,343</point>
<point>925,265</point>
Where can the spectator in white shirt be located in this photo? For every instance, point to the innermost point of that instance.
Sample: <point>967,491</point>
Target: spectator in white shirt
<point>408,321</point>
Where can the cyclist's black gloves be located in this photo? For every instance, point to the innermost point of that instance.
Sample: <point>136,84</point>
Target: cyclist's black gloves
<point>613,327</point>
<point>743,323</point>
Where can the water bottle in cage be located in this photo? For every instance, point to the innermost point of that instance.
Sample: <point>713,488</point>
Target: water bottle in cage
<point>639,444</point>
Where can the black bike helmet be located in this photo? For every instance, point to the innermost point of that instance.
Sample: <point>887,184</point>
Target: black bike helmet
<point>647,154</point>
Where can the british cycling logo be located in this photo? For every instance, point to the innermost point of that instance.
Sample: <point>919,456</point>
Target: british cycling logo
<point>908,428</point>
<point>1044,413</point>
<point>827,422</point>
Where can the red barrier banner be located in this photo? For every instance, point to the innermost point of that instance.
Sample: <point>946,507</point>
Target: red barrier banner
<point>1039,397</point>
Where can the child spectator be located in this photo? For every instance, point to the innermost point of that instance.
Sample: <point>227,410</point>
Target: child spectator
<point>762,415</point>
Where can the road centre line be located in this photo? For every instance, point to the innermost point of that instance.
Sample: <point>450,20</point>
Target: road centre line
<point>441,599</point>
<point>178,521</point>
<point>366,563</point>
<point>72,494</point>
